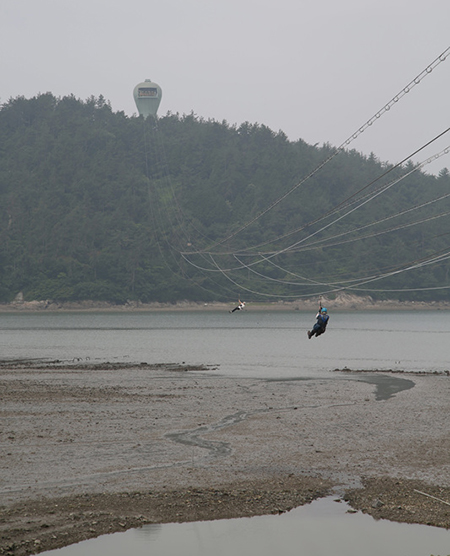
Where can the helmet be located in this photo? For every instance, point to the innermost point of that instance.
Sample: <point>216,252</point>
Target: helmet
<point>324,310</point>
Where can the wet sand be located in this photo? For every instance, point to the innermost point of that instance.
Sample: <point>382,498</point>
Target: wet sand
<point>87,450</point>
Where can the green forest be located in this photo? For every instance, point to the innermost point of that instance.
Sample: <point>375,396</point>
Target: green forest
<point>97,205</point>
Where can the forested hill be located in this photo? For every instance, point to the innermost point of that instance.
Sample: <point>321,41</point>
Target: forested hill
<point>97,205</point>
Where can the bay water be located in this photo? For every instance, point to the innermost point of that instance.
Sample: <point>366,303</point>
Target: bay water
<point>266,344</point>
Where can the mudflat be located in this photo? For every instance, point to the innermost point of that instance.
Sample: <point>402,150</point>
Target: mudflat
<point>93,449</point>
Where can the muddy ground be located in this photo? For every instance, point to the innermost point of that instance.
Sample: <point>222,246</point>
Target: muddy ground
<point>91,449</point>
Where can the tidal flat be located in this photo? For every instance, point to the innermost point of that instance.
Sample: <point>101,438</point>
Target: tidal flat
<point>89,449</point>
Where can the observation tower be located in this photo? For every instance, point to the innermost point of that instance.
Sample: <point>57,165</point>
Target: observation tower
<point>147,96</point>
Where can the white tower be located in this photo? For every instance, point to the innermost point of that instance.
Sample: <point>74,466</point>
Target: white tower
<point>147,96</point>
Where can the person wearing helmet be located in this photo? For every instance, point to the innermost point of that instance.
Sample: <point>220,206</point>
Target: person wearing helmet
<point>322,320</point>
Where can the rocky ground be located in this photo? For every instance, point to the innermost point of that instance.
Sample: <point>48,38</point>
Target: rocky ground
<point>93,449</point>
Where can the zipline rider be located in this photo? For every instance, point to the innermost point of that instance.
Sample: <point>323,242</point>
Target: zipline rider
<point>322,320</point>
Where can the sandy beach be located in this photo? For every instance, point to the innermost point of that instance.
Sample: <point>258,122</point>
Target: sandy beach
<point>92,449</point>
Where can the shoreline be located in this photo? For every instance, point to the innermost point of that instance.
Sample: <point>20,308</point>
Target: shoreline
<point>89,450</point>
<point>342,302</point>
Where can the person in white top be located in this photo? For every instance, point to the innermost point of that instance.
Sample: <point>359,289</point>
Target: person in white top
<point>240,306</point>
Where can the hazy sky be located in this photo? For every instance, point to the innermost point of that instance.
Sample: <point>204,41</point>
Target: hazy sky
<point>315,69</point>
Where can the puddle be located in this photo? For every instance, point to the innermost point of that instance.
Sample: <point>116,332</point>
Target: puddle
<point>385,386</point>
<point>322,528</point>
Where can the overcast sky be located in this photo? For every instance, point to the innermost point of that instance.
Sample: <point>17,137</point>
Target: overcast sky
<point>315,69</point>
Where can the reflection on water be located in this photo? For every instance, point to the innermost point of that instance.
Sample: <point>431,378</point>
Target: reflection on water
<point>319,529</point>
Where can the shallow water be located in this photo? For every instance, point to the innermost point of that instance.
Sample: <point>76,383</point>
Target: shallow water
<point>264,344</point>
<point>318,529</point>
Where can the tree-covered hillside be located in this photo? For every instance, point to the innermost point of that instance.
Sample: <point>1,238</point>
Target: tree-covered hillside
<point>98,205</point>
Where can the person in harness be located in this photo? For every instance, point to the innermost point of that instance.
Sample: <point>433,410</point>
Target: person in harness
<point>240,306</point>
<point>321,324</point>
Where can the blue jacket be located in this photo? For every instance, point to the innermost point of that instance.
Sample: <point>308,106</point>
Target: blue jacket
<point>322,320</point>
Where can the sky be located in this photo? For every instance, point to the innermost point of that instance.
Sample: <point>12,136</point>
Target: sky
<point>315,69</point>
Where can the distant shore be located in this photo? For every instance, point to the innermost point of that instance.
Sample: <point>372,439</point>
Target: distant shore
<point>342,302</point>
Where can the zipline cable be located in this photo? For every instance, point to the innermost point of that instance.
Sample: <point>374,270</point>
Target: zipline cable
<point>310,281</point>
<point>160,226</point>
<point>411,266</point>
<point>445,151</point>
<point>291,247</point>
<point>315,245</point>
<point>346,202</point>
<point>441,58</point>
